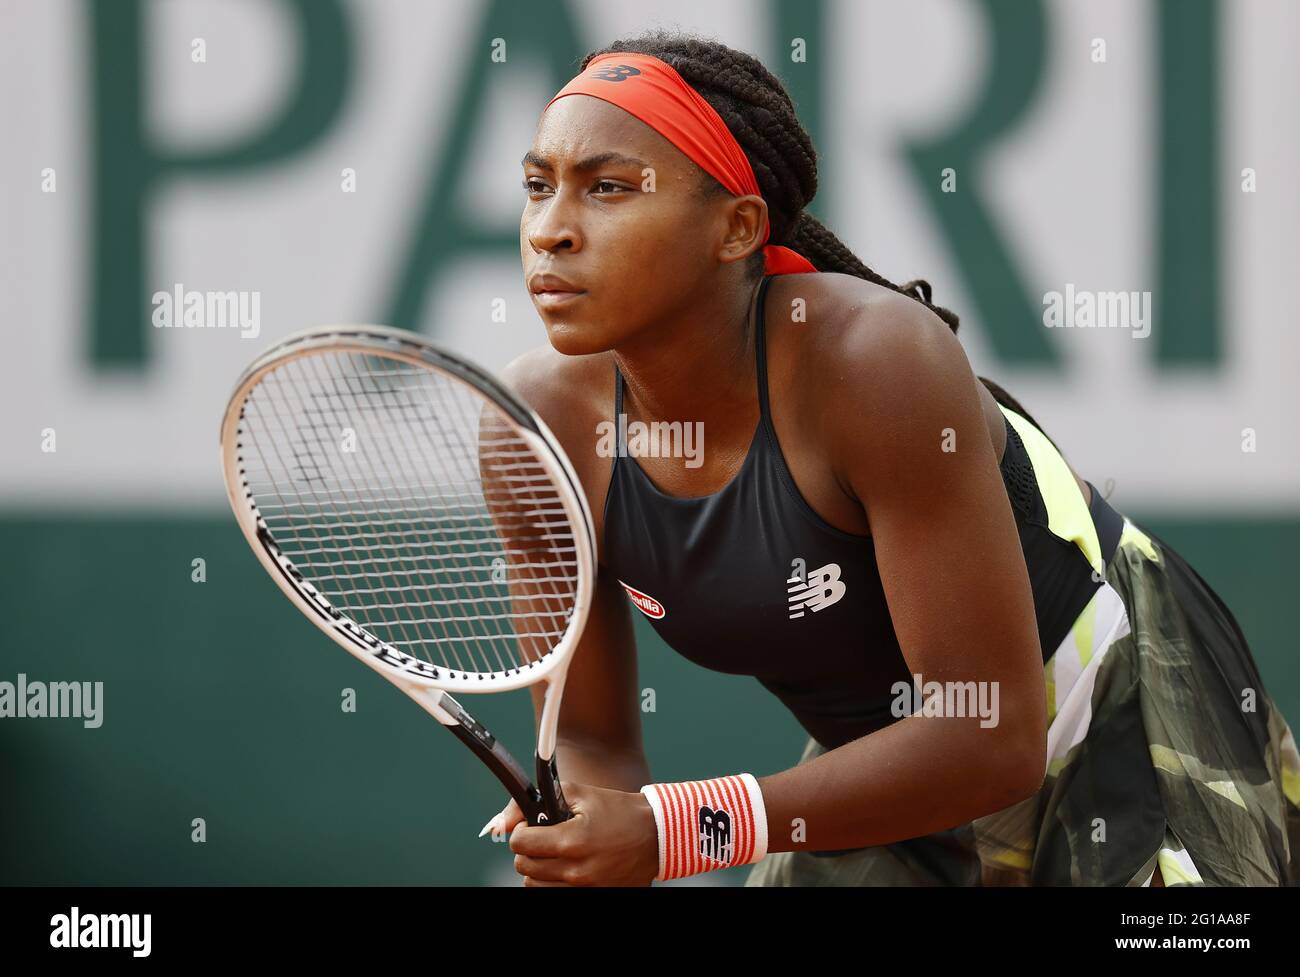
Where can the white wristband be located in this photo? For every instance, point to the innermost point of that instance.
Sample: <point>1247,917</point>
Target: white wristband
<point>708,824</point>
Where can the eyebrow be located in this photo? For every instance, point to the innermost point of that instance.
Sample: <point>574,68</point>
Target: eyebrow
<point>588,164</point>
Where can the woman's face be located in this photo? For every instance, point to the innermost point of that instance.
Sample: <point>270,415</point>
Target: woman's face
<point>623,256</point>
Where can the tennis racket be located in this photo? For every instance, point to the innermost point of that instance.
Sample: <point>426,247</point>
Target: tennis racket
<point>424,518</point>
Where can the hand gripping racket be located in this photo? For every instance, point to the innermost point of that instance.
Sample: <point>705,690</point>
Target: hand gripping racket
<point>424,518</point>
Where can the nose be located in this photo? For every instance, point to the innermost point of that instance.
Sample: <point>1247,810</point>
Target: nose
<point>551,226</point>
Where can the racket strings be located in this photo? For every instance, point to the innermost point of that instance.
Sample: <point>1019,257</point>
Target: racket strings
<point>401,621</point>
<point>413,506</point>
<point>442,428</point>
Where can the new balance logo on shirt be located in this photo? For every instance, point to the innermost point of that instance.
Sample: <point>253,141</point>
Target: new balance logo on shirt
<point>820,590</point>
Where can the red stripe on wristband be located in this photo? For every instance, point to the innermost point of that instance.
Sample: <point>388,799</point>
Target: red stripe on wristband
<point>736,797</point>
<point>708,824</point>
<point>689,816</point>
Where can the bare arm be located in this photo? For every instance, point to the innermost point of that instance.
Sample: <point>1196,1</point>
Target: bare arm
<point>600,721</point>
<point>599,737</point>
<point>958,594</point>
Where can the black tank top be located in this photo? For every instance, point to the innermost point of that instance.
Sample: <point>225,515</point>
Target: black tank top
<point>751,581</point>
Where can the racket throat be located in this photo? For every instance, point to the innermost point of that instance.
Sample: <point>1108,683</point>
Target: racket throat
<point>554,806</point>
<point>537,807</point>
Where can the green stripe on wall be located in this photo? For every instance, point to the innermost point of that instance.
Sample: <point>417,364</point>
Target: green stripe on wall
<point>222,702</point>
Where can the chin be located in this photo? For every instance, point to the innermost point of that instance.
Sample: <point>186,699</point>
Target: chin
<point>572,339</point>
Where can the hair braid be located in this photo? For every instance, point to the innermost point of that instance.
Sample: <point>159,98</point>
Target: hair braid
<point>761,115</point>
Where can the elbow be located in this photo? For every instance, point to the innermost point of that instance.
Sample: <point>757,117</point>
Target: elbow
<point>1008,784</point>
<point>1024,769</point>
<point>1024,749</point>
<point>1026,778</point>
<point>1013,767</point>
<point>1005,774</point>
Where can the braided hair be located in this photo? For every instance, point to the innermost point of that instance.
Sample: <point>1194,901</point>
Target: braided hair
<point>760,114</point>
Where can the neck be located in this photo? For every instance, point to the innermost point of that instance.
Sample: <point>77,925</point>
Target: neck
<point>697,366</point>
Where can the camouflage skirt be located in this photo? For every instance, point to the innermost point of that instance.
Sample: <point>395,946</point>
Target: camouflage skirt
<point>1164,751</point>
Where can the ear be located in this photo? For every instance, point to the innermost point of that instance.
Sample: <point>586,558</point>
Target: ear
<point>746,219</point>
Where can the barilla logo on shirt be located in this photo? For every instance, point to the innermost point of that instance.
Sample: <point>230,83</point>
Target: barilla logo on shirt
<point>649,606</point>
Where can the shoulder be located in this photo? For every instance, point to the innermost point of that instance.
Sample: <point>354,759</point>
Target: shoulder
<point>883,372</point>
<point>858,321</point>
<point>562,389</point>
<point>864,341</point>
<point>572,395</point>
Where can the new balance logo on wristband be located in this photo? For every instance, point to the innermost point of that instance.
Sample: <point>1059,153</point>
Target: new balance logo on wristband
<point>715,834</point>
<point>708,824</point>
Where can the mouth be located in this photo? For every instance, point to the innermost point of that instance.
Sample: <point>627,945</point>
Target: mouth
<point>553,298</point>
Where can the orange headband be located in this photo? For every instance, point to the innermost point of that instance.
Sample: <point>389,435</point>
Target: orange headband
<point>650,90</point>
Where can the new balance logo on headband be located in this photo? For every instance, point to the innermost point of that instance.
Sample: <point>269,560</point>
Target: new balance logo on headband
<point>615,72</point>
<point>822,589</point>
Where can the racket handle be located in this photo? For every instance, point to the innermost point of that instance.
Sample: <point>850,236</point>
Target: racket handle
<point>554,806</point>
<point>497,759</point>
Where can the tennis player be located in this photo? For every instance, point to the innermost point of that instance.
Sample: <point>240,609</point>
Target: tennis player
<point>1004,680</point>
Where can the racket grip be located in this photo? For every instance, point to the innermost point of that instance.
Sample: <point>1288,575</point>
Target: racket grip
<point>553,804</point>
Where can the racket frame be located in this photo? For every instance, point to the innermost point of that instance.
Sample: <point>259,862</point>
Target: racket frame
<point>541,801</point>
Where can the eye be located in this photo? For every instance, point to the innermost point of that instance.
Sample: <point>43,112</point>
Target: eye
<point>613,187</point>
<point>533,186</point>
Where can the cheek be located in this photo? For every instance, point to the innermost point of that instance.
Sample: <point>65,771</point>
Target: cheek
<point>644,257</point>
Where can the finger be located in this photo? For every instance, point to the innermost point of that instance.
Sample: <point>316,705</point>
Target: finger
<point>504,821</point>
<point>622,884</point>
<point>542,883</point>
<point>548,841</point>
<point>493,825</point>
<point>549,870</point>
